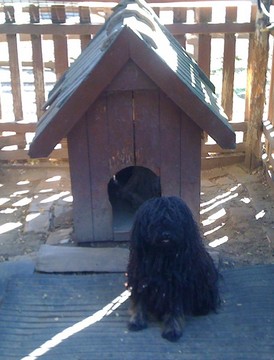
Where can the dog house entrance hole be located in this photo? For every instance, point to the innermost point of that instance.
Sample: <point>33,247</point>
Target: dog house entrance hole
<point>127,190</point>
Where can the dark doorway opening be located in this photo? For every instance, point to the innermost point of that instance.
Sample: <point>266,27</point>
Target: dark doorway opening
<point>127,190</point>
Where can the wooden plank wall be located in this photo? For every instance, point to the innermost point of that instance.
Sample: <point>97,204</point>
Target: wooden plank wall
<point>59,30</point>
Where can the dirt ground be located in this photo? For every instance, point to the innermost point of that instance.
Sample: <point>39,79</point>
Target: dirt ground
<point>237,213</point>
<point>237,216</point>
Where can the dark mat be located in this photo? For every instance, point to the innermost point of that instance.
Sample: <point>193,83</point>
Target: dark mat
<point>84,317</point>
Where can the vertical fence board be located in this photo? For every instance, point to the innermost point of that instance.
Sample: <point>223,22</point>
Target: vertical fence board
<point>84,14</point>
<point>38,72</point>
<point>15,75</point>
<point>60,54</point>
<point>37,61</point>
<point>9,14</point>
<point>14,65</point>
<point>249,66</point>
<point>179,16</point>
<point>34,14</point>
<point>58,15</point>
<point>204,40</point>
<point>229,65</point>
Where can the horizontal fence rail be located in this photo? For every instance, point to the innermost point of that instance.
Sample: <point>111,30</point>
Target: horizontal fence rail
<point>38,43</point>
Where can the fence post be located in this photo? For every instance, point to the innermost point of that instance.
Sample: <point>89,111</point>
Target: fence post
<point>15,66</point>
<point>257,69</point>
<point>37,59</point>
<point>204,40</point>
<point>84,14</point>
<point>179,16</point>
<point>229,65</point>
<point>271,92</point>
<point>58,16</point>
<point>249,67</point>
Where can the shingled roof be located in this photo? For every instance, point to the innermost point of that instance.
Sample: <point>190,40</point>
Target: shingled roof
<point>132,32</point>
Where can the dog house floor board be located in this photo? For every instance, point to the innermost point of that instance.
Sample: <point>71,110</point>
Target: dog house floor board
<point>84,317</point>
<point>62,259</point>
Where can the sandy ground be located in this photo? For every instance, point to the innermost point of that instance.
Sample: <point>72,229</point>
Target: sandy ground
<point>237,213</point>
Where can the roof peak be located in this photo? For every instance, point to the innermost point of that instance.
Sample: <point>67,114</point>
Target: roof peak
<point>133,32</point>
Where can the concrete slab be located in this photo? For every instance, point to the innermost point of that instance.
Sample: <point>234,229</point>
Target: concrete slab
<point>62,259</point>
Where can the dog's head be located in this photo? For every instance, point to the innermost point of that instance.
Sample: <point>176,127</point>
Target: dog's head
<point>164,222</point>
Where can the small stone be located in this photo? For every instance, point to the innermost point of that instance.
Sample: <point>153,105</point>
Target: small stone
<point>61,236</point>
<point>64,241</point>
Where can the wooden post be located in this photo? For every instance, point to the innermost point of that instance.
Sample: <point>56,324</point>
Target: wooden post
<point>229,65</point>
<point>15,74</point>
<point>37,58</point>
<point>271,92</point>
<point>256,82</point>
<point>204,40</point>
<point>58,16</point>
<point>249,67</point>
<point>84,14</point>
<point>9,14</point>
<point>15,65</point>
<point>179,16</point>
<point>34,14</point>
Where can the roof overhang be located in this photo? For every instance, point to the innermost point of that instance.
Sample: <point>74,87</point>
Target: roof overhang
<point>65,112</point>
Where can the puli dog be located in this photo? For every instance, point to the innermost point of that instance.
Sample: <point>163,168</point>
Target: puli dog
<point>170,273</point>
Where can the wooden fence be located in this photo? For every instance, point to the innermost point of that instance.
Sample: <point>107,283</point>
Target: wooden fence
<point>37,52</point>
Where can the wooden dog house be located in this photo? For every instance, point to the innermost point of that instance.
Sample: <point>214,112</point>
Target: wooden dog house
<point>133,107</point>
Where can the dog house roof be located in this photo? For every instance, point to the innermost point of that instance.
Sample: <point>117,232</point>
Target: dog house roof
<point>133,32</point>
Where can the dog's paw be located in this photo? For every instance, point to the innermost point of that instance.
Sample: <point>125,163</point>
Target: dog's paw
<point>173,329</point>
<point>172,334</point>
<point>137,323</point>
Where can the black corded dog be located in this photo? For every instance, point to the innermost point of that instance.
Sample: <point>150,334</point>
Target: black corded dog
<point>170,273</point>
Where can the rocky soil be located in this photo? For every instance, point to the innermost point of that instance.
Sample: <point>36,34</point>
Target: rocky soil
<point>237,213</point>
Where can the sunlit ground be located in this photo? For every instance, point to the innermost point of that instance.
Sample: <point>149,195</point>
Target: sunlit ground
<point>236,212</point>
